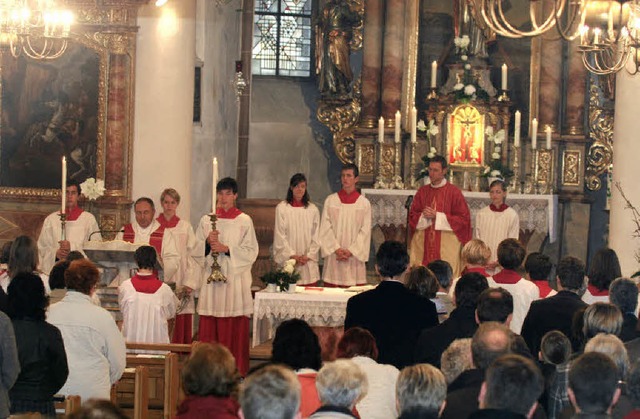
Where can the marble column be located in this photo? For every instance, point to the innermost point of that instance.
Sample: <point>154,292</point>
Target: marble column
<point>626,150</point>
<point>118,125</point>
<point>372,62</point>
<point>550,78</point>
<point>392,59</point>
<point>577,84</point>
<point>165,63</point>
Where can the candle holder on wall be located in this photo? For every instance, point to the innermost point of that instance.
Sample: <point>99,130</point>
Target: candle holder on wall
<point>216,270</point>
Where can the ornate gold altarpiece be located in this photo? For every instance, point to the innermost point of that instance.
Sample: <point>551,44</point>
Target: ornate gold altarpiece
<point>109,28</point>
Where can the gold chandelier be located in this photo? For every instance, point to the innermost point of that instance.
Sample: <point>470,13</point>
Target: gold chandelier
<point>608,30</point>
<point>37,28</point>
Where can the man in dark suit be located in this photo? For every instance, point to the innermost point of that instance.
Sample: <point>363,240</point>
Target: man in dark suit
<point>392,314</point>
<point>623,293</point>
<point>461,323</point>
<point>556,313</point>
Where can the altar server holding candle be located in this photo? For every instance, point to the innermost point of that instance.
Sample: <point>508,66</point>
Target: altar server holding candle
<point>79,226</point>
<point>296,232</point>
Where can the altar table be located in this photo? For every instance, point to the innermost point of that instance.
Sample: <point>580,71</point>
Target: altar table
<point>536,212</point>
<point>317,306</point>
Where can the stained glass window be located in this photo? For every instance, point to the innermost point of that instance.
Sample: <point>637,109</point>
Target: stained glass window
<point>282,38</point>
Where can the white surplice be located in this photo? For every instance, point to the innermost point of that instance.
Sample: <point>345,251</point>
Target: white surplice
<point>170,257</point>
<point>345,226</point>
<point>296,233</point>
<point>144,315</point>
<point>189,270</point>
<point>492,227</point>
<point>77,233</point>
<point>231,298</point>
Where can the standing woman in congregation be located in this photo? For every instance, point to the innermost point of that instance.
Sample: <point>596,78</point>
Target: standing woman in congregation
<point>497,222</point>
<point>186,277</point>
<point>296,232</point>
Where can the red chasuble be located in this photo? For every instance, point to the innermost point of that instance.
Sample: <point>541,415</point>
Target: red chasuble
<point>155,239</point>
<point>449,200</point>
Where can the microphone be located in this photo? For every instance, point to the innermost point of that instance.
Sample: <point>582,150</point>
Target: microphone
<point>104,231</point>
<point>408,202</point>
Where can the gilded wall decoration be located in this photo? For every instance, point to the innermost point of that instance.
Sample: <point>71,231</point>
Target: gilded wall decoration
<point>366,158</point>
<point>571,167</point>
<point>600,153</point>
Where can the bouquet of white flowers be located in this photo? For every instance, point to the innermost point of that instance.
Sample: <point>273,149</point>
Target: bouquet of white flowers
<point>495,168</point>
<point>432,130</point>
<point>283,276</point>
<point>92,189</point>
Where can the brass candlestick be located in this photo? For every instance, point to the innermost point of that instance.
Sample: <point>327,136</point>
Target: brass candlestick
<point>531,183</point>
<point>397,179</point>
<point>216,271</point>
<point>381,182</point>
<point>515,182</point>
<point>504,96</point>
<point>63,226</point>
<point>433,94</point>
<point>412,166</point>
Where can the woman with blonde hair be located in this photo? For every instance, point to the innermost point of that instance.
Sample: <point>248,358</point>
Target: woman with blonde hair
<point>475,257</point>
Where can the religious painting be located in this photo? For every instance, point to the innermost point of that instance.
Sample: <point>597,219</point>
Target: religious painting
<point>50,109</point>
<point>465,137</point>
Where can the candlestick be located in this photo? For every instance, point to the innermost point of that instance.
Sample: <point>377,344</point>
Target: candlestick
<point>214,194</point>
<point>534,133</point>
<point>64,185</point>
<point>381,130</point>
<point>504,77</point>
<point>216,270</point>
<point>414,125</point>
<point>434,73</point>
<point>397,127</point>
<point>548,130</point>
<point>516,130</point>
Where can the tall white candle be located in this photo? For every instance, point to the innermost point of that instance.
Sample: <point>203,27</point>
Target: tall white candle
<point>548,130</point>
<point>64,185</point>
<point>516,130</point>
<point>214,195</point>
<point>397,131</point>
<point>534,133</point>
<point>414,125</point>
<point>381,130</point>
<point>504,77</point>
<point>434,73</point>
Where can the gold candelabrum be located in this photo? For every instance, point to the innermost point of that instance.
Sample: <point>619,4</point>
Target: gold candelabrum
<point>63,226</point>
<point>412,167</point>
<point>397,179</point>
<point>381,181</point>
<point>515,186</point>
<point>504,96</point>
<point>531,183</point>
<point>216,270</point>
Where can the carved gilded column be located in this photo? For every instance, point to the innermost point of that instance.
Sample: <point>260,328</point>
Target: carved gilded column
<point>392,60</point>
<point>372,62</point>
<point>117,125</point>
<point>550,78</point>
<point>576,89</point>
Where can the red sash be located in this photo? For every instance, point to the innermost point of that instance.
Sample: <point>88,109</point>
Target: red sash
<point>501,208</point>
<point>596,292</point>
<point>155,239</point>
<point>168,223</point>
<point>507,276</point>
<point>74,214</point>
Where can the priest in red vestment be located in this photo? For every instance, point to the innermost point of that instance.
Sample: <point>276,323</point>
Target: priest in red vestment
<point>439,219</point>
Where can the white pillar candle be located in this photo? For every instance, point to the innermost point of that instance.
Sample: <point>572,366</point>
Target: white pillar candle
<point>516,129</point>
<point>414,124</point>
<point>397,131</point>
<point>548,130</point>
<point>64,185</point>
<point>381,130</point>
<point>504,77</point>
<point>214,194</point>
<point>534,133</point>
<point>434,73</point>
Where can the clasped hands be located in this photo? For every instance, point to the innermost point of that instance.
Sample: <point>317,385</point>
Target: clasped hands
<point>343,255</point>
<point>214,242</point>
<point>301,260</point>
<point>63,250</point>
<point>429,213</point>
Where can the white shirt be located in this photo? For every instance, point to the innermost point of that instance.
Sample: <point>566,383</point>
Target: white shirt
<point>492,227</point>
<point>380,401</point>
<point>296,233</point>
<point>77,232</point>
<point>145,316</point>
<point>345,226</point>
<point>524,293</point>
<point>96,351</point>
<point>231,298</point>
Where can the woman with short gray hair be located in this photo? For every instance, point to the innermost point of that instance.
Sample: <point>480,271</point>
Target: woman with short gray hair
<point>341,384</point>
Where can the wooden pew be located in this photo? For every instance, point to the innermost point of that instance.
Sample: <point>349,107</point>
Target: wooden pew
<point>164,385</point>
<point>131,392</point>
<point>67,405</point>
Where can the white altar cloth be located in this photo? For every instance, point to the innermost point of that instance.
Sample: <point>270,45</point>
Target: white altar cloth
<point>316,305</point>
<point>536,212</point>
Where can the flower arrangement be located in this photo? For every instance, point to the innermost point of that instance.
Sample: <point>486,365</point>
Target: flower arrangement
<point>92,189</point>
<point>283,276</point>
<point>467,88</point>
<point>462,44</point>
<point>496,168</point>
<point>431,131</point>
